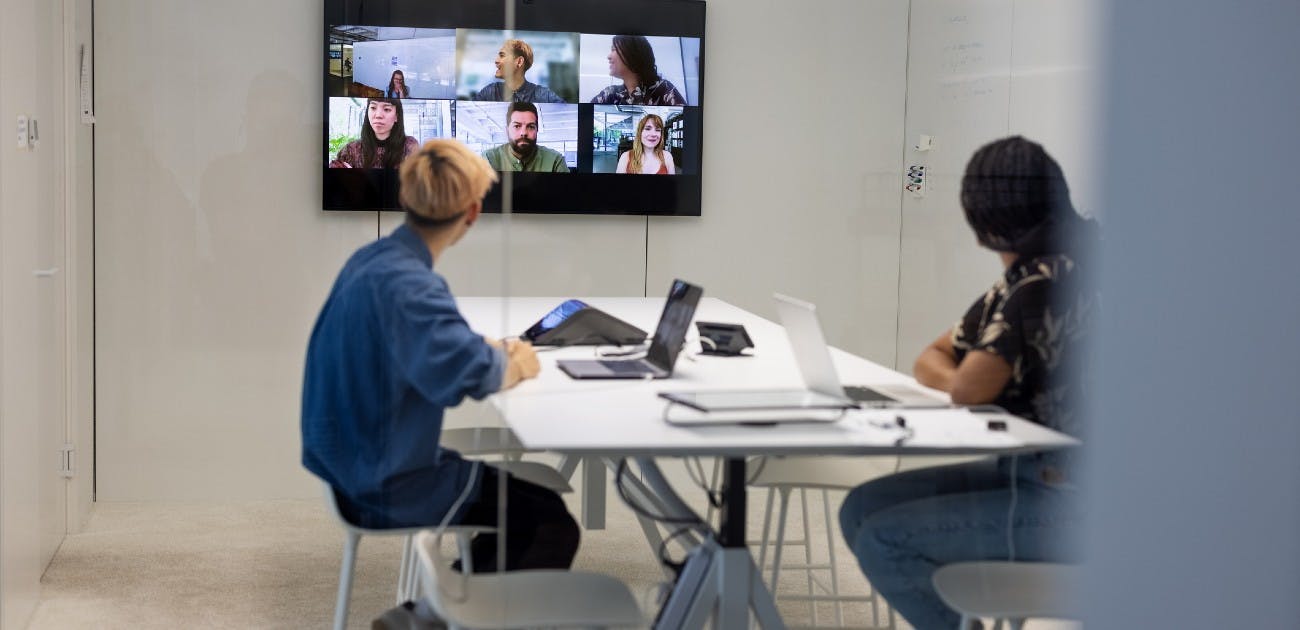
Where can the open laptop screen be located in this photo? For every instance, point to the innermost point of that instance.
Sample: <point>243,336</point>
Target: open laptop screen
<point>683,297</point>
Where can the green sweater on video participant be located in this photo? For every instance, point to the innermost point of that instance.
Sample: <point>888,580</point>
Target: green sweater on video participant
<point>544,160</point>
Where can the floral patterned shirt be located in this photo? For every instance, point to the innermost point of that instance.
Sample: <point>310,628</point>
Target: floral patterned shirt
<point>350,156</point>
<point>661,92</point>
<point>1037,318</point>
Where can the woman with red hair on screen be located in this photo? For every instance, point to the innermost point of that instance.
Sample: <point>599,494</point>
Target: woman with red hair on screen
<point>647,156</point>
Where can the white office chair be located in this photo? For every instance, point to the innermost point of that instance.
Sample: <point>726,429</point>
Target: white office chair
<point>474,441</point>
<point>406,576</point>
<point>522,599</point>
<point>407,587</point>
<point>479,441</point>
<point>781,475</point>
<point>1011,591</point>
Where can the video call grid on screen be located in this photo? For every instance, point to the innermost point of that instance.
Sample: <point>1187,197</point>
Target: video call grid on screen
<point>444,56</point>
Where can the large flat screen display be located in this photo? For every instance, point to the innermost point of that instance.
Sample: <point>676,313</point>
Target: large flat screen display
<point>585,106</point>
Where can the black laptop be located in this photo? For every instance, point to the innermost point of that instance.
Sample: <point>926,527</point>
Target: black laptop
<point>658,362</point>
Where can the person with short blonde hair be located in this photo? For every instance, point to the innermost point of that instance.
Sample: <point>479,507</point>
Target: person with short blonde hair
<point>390,352</point>
<point>514,59</point>
<point>442,181</point>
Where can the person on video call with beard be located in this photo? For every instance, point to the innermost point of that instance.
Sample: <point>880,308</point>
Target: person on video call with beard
<point>383,142</point>
<point>522,153</point>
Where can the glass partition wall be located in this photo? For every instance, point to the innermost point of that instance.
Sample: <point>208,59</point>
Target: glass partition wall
<point>219,244</point>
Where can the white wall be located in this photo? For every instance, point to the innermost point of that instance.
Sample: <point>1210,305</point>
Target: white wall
<point>803,133</point>
<point>213,254</point>
<point>33,331</point>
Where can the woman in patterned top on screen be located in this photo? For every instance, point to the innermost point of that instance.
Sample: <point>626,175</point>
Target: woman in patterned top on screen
<point>383,142</point>
<point>1020,346</point>
<point>647,155</point>
<point>633,60</point>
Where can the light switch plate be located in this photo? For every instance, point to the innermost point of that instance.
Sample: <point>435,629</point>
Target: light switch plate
<point>23,137</point>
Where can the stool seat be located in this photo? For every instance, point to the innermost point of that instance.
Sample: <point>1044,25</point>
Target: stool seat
<point>1010,590</point>
<point>832,473</point>
<point>523,599</point>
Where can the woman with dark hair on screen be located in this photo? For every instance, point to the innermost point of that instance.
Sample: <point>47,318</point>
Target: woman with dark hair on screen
<point>647,156</point>
<point>383,141</point>
<point>1021,346</point>
<point>633,60</point>
<point>397,86</point>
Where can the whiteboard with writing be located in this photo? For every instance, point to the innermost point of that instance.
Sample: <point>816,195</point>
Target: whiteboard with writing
<point>979,70</point>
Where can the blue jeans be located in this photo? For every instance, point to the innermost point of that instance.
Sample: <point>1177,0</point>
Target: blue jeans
<point>903,527</point>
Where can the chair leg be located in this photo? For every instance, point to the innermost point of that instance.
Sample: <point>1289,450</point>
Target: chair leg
<point>1017,624</point>
<point>780,537</point>
<point>765,542</point>
<point>807,554</point>
<point>997,625</point>
<point>830,555</point>
<point>404,570</point>
<point>463,548</point>
<point>345,580</point>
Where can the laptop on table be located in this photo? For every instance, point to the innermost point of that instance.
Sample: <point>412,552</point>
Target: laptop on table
<point>666,344</point>
<point>818,370</point>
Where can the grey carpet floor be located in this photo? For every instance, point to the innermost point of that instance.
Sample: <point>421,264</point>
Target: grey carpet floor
<point>274,564</point>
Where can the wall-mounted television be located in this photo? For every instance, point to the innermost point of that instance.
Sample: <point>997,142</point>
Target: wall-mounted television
<point>590,106</point>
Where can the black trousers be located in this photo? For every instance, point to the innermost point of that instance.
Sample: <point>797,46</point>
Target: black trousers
<point>540,532</point>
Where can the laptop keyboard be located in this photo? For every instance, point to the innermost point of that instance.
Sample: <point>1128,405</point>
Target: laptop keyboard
<point>626,367</point>
<point>865,394</point>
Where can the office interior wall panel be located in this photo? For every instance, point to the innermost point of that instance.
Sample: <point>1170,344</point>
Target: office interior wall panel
<point>803,131</point>
<point>81,275</point>
<point>31,359</point>
<point>980,70</point>
<point>213,255</point>
<point>1056,90</point>
<point>51,275</point>
<point>536,255</point>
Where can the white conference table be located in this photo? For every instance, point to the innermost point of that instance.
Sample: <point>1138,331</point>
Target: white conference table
<point>617,419</point>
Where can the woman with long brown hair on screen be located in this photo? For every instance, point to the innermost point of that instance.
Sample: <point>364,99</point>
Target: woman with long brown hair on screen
<point>632,59</point>
<point>383,141</point>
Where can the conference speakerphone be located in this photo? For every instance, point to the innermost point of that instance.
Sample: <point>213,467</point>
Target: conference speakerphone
<point>575,323</point>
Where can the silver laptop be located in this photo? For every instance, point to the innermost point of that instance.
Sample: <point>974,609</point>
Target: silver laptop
<point>658,362</point>
<point>818,370</point>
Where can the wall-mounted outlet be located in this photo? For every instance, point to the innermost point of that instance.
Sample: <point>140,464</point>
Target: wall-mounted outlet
<point>914,181</point>
<point>23,132</point>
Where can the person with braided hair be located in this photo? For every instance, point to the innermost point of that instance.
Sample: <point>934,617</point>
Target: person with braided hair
<point>1020,346</point>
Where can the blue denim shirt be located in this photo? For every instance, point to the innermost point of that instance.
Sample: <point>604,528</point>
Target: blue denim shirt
<point>389,352</point>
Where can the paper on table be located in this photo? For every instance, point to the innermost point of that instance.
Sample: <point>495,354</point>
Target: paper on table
<point>933,428</point>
